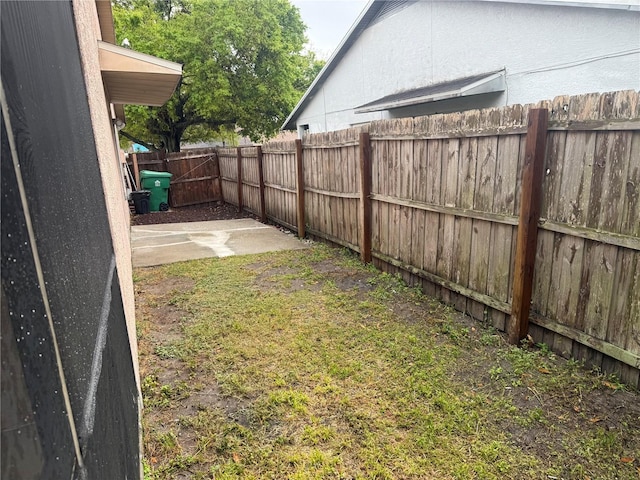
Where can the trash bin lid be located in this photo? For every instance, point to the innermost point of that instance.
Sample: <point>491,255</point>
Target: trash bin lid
<point>152,174</point>
<point>141,193</point>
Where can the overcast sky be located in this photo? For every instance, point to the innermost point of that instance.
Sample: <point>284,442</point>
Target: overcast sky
<point>328,21</point>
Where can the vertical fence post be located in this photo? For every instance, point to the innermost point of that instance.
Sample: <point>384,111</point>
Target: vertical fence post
<point>300,189</point>
<point>239,150</point>
<point>165,161</point>
<point>532,176</point>
<point>263,208</point>
<point>217,154</point>
<point>167,168</point>
<point>365,197</point>
<point>136,170</point>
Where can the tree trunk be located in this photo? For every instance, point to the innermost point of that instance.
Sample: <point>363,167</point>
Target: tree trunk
<point>172,141</point>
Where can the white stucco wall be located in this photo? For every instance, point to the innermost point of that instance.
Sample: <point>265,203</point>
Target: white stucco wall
<point>88,32</point>
<point>546,50</point>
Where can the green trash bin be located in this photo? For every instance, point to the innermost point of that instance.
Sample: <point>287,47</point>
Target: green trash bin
<point>158,184</point>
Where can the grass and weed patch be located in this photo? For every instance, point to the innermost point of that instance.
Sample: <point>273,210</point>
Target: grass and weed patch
<point>324,368</point>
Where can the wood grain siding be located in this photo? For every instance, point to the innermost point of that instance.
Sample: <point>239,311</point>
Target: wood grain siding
<point>260,165</point>
<point>228,162</point>
<point>239,177</point>
<point>331,177</point>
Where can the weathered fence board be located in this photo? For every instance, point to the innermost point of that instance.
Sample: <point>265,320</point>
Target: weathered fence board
<point>278,159</point>
<point>584,275</point>
<point>331,185</point>
<point>228,159</point>
<point>527,235</point>
<point>250,180</point>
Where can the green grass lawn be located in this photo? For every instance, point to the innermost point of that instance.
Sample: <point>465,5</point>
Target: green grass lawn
<point>309,365</point>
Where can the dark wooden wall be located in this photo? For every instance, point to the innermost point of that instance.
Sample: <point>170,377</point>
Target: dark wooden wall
<point>68,359</point>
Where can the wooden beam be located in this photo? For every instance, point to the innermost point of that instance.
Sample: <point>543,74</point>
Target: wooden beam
<point>333,239</point>
<point>263,208</point>
<point>443,282</point>
<point>610,238</point>
<point>607,125</point>
<point>239,156</point>
<point>275,219</point>
<point>331,145</point>
<point>279,152</point>
<point>280,188</point>
<point>250,184</point>
<point>365,197</point>
<point>328,193</point>
<point>189,180</point>
<point>603,346</point>
<point>532,176</point>
<point>300,189</point>
<point>446,210</point>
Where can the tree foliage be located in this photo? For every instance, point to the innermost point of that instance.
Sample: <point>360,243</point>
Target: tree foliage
<point>243,66</point>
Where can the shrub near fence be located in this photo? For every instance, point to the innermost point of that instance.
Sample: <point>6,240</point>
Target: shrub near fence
<point>438,199</point>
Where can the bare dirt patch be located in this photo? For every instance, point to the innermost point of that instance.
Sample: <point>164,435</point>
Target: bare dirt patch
<point>194,213</point>
<point>158,305</point>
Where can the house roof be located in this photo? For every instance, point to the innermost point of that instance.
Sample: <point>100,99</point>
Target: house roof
<point>462,87</point>
<point>375,10</point>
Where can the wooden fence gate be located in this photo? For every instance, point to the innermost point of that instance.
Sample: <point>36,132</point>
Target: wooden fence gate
<point>196,174</point>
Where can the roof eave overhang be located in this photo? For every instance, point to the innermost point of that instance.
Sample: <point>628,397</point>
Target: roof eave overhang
<point>631,5</point>
<point>490,84</point>
<point>135,78</point>
<point>105,19</point>
<point>361,23</point>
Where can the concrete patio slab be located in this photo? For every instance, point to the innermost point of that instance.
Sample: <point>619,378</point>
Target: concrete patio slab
<point>174,242</point>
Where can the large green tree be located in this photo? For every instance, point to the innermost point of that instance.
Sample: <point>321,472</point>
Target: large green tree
<point>244,66</point>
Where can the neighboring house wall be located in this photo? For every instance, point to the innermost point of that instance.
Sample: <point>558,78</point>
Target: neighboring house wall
<point>546,50</point>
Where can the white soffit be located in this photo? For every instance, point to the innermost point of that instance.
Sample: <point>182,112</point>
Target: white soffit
<point>135,78</point>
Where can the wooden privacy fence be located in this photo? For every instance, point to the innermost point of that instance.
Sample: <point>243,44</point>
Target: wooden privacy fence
<point>452,201</point>
<point>196,174</point>
<point>268,185</point>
